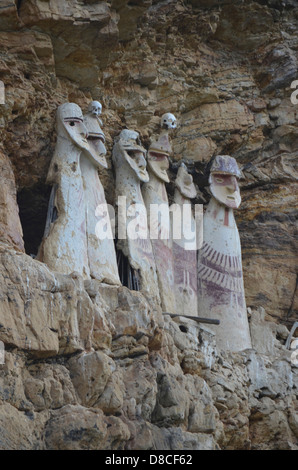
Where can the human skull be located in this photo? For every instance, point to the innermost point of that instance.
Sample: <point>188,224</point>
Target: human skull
<point>95,108</point>
<point>168,121</point>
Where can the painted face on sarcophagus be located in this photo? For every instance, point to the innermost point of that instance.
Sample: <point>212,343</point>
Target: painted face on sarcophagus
<point>131,149</point>
<point>223,179</point>
<point>70,124</point>
<point>184,182</point>
<point>158,157</point>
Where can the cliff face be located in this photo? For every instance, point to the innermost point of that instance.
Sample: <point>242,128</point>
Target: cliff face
<point>225,70</point>
<point>91,366</point>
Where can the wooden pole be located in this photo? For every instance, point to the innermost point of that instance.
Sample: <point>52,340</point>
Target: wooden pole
<point>210,321</point>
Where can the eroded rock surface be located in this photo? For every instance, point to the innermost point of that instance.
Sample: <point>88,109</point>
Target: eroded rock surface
<point>104,369</point>
<point>92,366</point>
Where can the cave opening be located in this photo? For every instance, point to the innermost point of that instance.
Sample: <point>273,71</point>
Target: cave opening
<point>33,207</point>
<point>129,277</point>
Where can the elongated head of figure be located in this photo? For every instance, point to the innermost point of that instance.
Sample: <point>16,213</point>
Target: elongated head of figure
<point>184,182</point>
<point>168,121</point>
<point>128,149</point>
<point>95,108</point>
<point>223,180</point>
<point>96,136</point>
<point>70,124</point>
<point>158,157</point>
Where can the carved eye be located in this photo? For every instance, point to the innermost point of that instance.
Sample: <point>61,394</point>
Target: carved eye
<point>219,180</point>
<point>132,154</point>
<point>72,123</point>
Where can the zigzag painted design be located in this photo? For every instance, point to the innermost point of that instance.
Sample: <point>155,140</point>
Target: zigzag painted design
<point>225,264</point>
<point>220,269</point>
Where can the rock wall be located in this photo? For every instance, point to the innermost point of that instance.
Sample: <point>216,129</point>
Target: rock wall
<point>88,366</point>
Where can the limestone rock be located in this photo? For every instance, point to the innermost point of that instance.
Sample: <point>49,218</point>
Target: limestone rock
<point>9,15</point>
<point>225,71</point>
<point>78,428</point>
<point>24,323</point>
<point>43,312</point>
<point>217,117</point>
<point>11,231</point>
<point>263,333</point>
<point>48,387</point>
<point>141,389</point>
<point>172,407</point>
<point>267,428</point>
<point>203,414</point>
<point>176,439</point>
<point>129,14</point>
<point>92,20</point>
<point>90,373</point>
<point>250,20</point>
<point>150,437</point>
<point>293,421</point>
<point>112,399</point>
<point>277,233</point>
<point>20,430</point>
<point>124,301</point>
<point>12,388</point>
<point>195,342</point>
<point>278,68</point>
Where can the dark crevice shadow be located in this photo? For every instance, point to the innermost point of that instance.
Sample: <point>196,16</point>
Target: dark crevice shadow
<point>33,208</point>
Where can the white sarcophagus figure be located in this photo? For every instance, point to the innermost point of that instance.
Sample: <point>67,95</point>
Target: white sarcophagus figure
<point>184,245</point>
<point>157,204</point>
<point>100,243</point>
<point>64,246</point>
<point>70,243</point>
<point>220,278</point>
<point>135,256</point>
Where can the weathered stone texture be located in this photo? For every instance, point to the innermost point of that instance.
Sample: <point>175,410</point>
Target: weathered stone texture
<point>92,366</point>
<point>151,383</point>
<point>10,227</point>
<point>145,58</point>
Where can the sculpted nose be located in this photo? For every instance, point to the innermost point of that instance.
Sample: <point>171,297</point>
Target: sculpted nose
<point>142,162</point>
<point>233,185</point>
<point>84,131</point>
